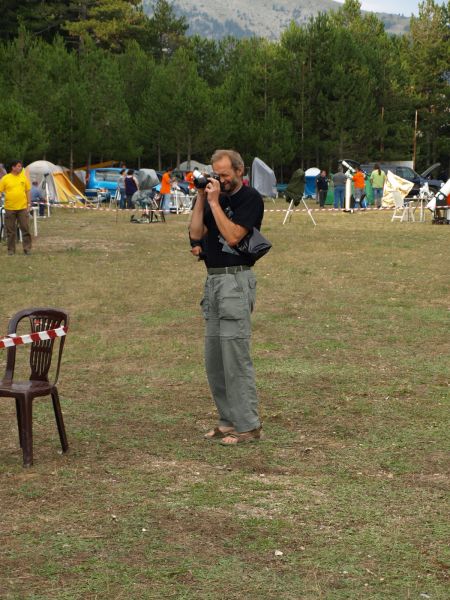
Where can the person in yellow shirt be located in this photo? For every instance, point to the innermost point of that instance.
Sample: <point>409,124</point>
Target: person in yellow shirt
<point>17,190</point>
<point>377,179</point>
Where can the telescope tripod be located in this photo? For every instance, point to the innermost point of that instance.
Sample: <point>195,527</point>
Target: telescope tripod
<point>291,209</point>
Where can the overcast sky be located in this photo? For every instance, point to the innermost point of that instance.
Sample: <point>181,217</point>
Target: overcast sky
<point>405,7</point>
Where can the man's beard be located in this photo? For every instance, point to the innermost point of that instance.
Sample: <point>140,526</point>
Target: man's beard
<point>230,186</point>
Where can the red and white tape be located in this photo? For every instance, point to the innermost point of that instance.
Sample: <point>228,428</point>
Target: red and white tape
<point>184,212</point>
<point>334,210</point>
<point>16,340</point>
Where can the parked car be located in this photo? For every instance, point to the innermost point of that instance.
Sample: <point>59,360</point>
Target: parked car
<point>102,182</point>
<point>410,175</point>
<point>404,172</point>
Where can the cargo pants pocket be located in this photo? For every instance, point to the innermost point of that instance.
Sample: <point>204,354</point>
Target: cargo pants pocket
<point>234,308</point>
<point>252,291</point>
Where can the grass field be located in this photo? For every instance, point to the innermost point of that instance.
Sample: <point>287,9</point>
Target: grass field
<point>347,495</point>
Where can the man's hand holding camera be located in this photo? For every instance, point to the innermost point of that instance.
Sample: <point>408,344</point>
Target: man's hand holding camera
<point>213,191</point>
<point>210,187</point>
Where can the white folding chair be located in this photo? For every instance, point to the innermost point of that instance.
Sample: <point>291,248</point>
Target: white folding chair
<point>114,200</point>
<point>402,206</point>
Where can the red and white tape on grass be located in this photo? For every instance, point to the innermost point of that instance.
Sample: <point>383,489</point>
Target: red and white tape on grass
<point>334,210</point>
<point>184,212</point>
<point>16,340</point>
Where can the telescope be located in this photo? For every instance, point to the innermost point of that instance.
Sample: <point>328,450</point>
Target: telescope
<point>348,184</point>
<point>351,169</point>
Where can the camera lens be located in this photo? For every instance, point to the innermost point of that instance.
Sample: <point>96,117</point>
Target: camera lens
<point>200,180</point>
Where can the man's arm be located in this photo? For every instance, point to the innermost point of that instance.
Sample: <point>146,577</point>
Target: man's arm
<point>231,232</point>
<point>197,229</point>
<point>29,199</point>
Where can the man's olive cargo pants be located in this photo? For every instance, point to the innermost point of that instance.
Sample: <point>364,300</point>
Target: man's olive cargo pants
<point>227,304</point>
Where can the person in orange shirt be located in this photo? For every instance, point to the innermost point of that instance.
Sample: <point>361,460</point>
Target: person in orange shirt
<point>359,184</point>
<point>189,177</point>
<point>166,187</point>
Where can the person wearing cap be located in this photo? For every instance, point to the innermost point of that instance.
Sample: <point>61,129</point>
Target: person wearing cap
<point>225,211</point>
<point>17,190</point>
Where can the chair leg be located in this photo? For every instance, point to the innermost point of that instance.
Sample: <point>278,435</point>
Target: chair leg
<point>19,422</point>
<point>59,420</point>
<point>26,411</point>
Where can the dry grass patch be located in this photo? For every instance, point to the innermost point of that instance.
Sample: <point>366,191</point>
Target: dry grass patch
<point>350,484</point>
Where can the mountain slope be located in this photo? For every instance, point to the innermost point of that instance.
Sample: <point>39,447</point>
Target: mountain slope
<point>264,18</point>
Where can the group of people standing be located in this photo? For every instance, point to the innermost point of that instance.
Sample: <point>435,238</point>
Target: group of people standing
<point>339,179</point>
<point>128,185</point>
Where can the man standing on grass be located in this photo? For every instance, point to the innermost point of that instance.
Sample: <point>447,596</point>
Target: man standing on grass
<point>17,191</point>
<point>322,188</point>
<point>166,189</point>
<point>224,212</point>
<point>339,180</point>
<point>377,179</point>
<point>359,184</point>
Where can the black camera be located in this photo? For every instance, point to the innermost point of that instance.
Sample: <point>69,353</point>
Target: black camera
<point>201,179</point>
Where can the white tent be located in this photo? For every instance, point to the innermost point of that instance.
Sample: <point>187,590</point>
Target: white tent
<point>57,186</point>
<point>194,164</point>
<point>397,184</point>
<point>263,179</point>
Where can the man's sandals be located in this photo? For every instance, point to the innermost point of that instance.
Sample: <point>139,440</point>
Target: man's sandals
<point>229,437</point>
<point>219,433</point>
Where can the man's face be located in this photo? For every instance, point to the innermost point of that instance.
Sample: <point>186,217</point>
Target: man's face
<point>230,179</point>
<point>16,169</point>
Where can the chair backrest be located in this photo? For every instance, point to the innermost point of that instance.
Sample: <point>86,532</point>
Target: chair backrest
<point>40,319</point>
<point>398,199</point>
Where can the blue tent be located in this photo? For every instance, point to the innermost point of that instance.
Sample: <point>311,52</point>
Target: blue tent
<point>310,182</point>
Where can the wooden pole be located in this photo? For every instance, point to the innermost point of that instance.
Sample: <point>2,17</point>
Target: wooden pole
<point>415,140</point>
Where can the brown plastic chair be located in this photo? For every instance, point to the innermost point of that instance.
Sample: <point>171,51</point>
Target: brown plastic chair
<point>41,319</point>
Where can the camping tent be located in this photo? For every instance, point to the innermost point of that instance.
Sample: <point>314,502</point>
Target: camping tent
<point>263,179</point>
<point>57,186</point>
<point>310,181</point>
<point>194,164</point>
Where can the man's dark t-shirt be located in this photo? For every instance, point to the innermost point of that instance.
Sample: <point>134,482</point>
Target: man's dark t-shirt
<point>245,208</point>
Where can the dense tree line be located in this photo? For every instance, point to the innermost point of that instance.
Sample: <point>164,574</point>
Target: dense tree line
<point>86,81</point>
